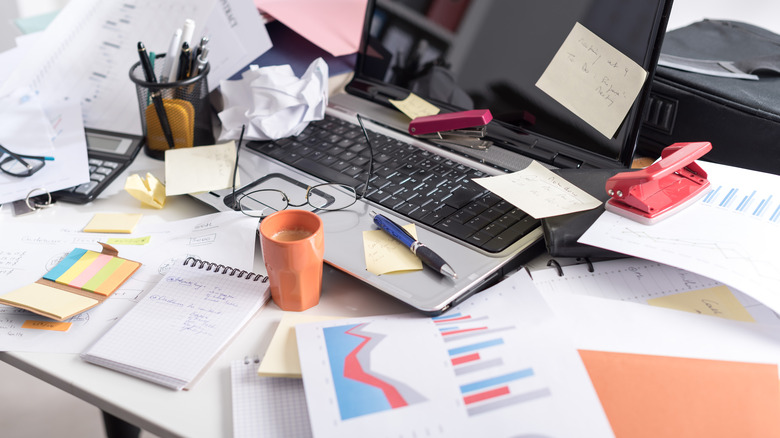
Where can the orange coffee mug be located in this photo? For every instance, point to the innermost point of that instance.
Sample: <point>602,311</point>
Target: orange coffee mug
<point>293,245</point>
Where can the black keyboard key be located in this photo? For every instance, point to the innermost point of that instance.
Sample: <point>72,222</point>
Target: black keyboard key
<point>455,229</point>
<point>510,235</point>
<point>326,173</point>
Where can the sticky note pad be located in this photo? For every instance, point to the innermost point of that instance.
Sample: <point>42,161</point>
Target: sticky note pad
<point>54,302</point>
<point>92,271</point>
<point>113,223</point>
<point>281,358</point>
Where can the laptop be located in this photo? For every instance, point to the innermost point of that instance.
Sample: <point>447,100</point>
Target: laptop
<point>489,55</point>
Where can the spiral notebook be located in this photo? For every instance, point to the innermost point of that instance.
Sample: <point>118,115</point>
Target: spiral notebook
<point>171,336</point>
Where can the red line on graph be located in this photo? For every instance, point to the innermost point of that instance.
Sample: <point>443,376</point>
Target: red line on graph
<point>354,370</point>
<point>455,332</point>
<point>493,393</point>
<point>460,318</point>
<point>465,359</point>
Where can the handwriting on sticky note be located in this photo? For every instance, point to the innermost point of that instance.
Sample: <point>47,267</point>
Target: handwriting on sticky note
<point>539,192</point>
<point>199,169</point>
<point>415,106</point>
<point>46,325</point>
<point>129,241</point>
<point>593,80</point>
<point>715,301</point>
<point>384,254</point>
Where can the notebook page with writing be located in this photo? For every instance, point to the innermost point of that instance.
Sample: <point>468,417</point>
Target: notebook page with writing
<point>267,406</point>
<point>184,322</point>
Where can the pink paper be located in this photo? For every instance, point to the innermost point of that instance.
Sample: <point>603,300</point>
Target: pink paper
<point>333,25</point>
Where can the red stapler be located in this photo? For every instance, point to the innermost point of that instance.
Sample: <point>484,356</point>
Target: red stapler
<point>661,189</point>
<point>463,128</point>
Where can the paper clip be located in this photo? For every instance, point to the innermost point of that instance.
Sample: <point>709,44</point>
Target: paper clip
<point>464,128</point>
<point>667,186</point>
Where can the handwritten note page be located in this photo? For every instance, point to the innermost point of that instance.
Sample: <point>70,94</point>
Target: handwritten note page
<point>199,169</point>
<point>593,80</point>
<point>171,335</point>
<point>539,192</point>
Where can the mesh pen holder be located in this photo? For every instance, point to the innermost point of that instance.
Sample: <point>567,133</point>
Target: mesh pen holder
<point>184,105</point>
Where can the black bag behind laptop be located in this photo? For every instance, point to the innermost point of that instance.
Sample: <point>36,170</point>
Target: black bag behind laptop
<point>740,117</point>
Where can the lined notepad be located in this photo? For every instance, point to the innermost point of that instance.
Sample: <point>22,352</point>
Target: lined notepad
<point>174,332</point>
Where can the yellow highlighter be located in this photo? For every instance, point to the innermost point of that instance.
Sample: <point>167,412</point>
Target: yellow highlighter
<point>181,118</point>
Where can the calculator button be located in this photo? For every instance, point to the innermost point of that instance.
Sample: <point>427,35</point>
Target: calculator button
<point>86,187</point>
<point>103,170</point>
<point>110,164</point>
<point>97,177</point>
<point>95,162</point>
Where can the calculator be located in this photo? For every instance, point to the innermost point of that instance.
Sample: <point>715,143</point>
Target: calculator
<point>109,154</point>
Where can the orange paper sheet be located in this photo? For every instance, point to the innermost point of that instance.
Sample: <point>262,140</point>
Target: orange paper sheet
<point>658,396</point>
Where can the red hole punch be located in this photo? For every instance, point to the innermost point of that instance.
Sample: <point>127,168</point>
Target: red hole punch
<point>658,191</point>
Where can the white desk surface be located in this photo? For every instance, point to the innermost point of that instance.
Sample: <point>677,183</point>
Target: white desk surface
<point>205,410</point>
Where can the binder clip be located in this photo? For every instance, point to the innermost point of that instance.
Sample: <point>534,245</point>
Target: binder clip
<point>667,186</point>
<point>464,128</point>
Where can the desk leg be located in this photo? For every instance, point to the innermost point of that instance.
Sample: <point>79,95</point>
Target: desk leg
<point>118,428</point>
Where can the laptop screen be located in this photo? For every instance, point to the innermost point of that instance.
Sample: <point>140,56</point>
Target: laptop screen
<point>490,54</point>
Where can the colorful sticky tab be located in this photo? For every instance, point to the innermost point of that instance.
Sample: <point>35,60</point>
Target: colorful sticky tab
<point>92,271</point>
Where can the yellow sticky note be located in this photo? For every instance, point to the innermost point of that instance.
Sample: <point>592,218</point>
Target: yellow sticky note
<point>715,301</point>
<point>200,169</point>
<point>281,358</point>
<point>415,106</point>
<point>384,254</point>
<point>46,325</point>
<point>593,80</point>
<point>150,191</point>
<point>113,223</point>
<point>55,302</point>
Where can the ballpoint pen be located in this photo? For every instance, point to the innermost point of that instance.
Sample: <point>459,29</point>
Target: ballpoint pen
<point>425,254</point>
<point>184,62</point>
<point>171,64</point>
<point>159,106</point>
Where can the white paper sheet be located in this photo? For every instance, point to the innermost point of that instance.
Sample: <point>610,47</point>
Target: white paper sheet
<point>730,235</point>
<point>29,251</point>
<point>494,366</point>
<point>86,53</point>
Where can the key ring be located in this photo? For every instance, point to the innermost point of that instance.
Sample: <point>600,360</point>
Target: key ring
<point>33,205</point>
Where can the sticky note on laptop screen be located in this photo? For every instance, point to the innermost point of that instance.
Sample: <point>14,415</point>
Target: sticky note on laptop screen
<point>92,271</point>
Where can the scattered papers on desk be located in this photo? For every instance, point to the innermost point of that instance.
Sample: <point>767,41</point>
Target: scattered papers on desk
<point>272,102</point>
<point>335,26</point>
<point>150,191</point>
<point>539,192</point>
<point>29,129</point>
<point>200,169</point>
<point>493,366</point>
<point>659,396</point>
<point>385,254</point>
<point>102,86</point>
<point>652,283</point>
<point>730,235</point>
<point>30,250</point>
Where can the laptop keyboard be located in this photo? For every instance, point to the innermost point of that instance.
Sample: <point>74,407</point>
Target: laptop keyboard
<point>410,181</point>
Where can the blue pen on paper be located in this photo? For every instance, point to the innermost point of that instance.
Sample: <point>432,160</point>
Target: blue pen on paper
<point>426,255</point>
